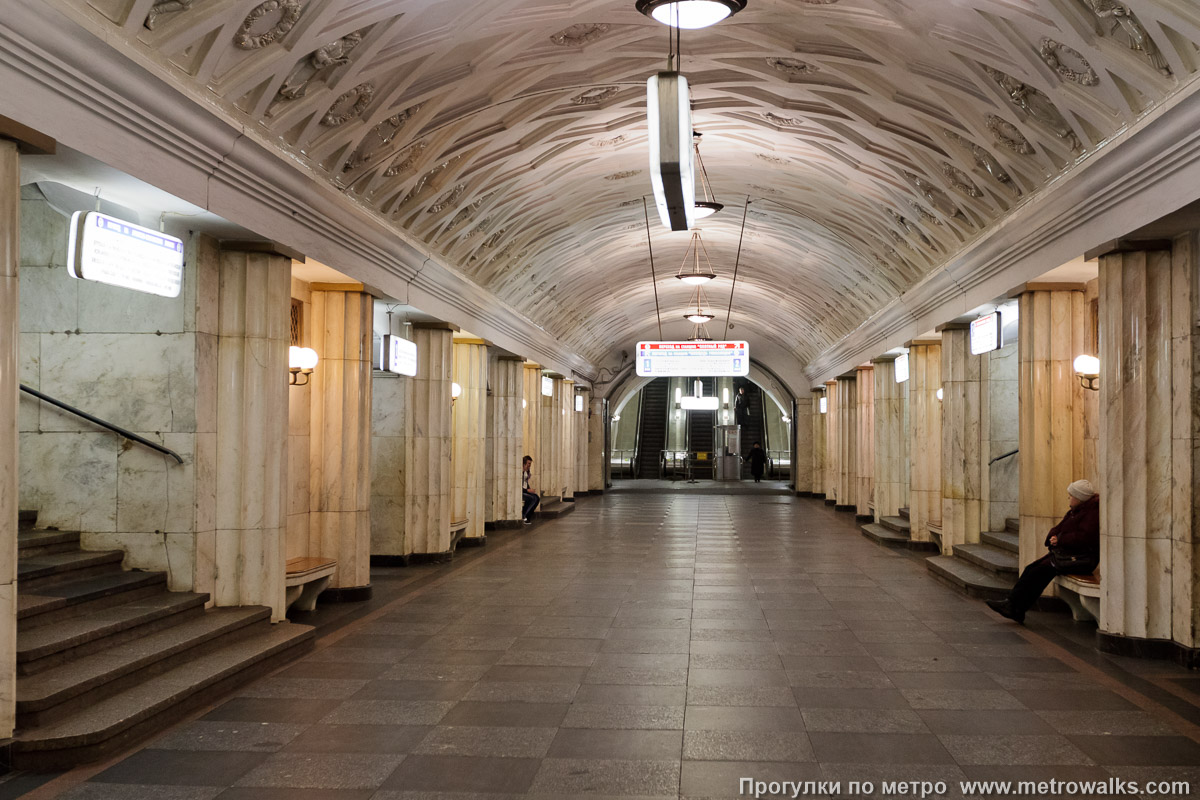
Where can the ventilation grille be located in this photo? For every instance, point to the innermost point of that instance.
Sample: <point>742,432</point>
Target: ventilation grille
<point>297,321</point>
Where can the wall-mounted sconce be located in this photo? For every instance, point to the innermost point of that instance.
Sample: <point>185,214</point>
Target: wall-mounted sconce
<point>455,391</point>
<point>725,397</point>
<point>524,403</point>
<point>616,417</point>
<point>787,420</point>
<point>1087,368</point>
<point>823,405</point>
<point>939,394</point>
<point>301,363</point>
<point>579,402</point>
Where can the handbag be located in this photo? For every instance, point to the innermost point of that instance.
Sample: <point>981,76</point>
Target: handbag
<point>1072,563</point>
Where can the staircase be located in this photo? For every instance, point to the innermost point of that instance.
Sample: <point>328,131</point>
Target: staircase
<point>988,569</point>
<point>107,657</point>
<point>652,428</point>
<point>895,532</point>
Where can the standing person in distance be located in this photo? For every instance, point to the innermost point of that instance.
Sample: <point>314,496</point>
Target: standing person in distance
<point>741,407</point>
<point>758,461</point>
<point>529,496</point>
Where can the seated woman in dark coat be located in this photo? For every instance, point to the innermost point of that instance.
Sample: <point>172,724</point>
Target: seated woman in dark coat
<point>1074,544</point>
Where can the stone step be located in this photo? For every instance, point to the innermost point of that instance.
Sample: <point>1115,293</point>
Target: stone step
<point>49,604</point>
<point>1012,524</point>
<point>898,524</point>
<point>1005,540</point>
<point>51,695</point>
<point>26,519</point>
<point>122,720</point>
<point>47,646</point>
<point>40,571</point>
<point>1001,562</point>
<point>903,513</point>
<point>32,543</point>
<point>884,536</point>
<point>555,508</point>
<point>968,578</point>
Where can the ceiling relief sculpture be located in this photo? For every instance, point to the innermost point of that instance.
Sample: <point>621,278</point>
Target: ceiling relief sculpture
<point>873,139</point>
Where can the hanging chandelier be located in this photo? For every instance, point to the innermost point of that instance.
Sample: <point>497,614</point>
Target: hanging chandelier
<point>699,316</point>
<point>696,273</point>
<point>690,14</point>
<point>709,205</point>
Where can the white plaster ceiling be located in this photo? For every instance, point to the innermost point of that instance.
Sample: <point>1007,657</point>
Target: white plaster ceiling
<point>874,138</point>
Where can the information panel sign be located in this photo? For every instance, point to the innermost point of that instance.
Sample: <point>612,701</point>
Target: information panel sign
<point>986,334</point>
<point>109,250</point>
<point>693,359</point>
<point>399,355</point>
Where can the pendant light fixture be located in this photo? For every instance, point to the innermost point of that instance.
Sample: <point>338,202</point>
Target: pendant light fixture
<point>699,316</point>
<point>690,14</point>
<point>709,205</point>
<point>672,176</point>
<point>695,273</point>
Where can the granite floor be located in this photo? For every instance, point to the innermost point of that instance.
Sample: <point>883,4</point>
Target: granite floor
<point>667,646</point>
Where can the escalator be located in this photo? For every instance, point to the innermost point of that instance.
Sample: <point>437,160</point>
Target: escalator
<point>754,429</point>
<point>652,428</point>
<point>700,434</point>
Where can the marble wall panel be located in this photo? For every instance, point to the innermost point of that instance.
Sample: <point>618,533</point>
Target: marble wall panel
<point>596,447</point>
<point>820,442</point>
<point>470,435</point>
<point>49,299</point>
<point>864,459</point>
<point>10,259</point>
<point>71,479</point>
<point>1001,420</point>
<point>29,362</point>
<point>891,440</point>
<point>802,426</point>
<point>925,427</point>
<point>43,231</point>
<point>962,440</point>
<point>508,391</point>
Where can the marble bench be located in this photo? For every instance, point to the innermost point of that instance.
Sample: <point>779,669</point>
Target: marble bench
<point>1082,594</point>
<point>306,578</point>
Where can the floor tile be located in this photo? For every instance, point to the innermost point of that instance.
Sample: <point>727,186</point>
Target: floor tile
<point>182,768</point>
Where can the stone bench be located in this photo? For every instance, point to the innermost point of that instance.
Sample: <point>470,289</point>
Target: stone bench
<point>1082,594</point>
<point>306,578</point>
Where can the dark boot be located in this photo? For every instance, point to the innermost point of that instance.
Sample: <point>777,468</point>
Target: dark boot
<point>1005,609</point>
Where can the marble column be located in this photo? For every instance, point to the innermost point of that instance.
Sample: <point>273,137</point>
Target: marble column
<point>531,423</point>
<point>10,259</point>
<point>566,406</point>
<point>429,484</point>
<point>508,390</point>
<point>832,453</point>
<point>962,431</point>
<point>1148,440</point>
<point>470,435</point>
<point>340,435</point>
<point>802,429</point>
<point>1052,332</point>
<point>248,550</point>
<point>820,442</point>
<point>391,464</point>
<point>582,435</point>
<point>597,425</point>
<point>550,442</point>
<point>864,459</point>
<point>847,443</point>
<point>891,439</point>
<point>925,436</point>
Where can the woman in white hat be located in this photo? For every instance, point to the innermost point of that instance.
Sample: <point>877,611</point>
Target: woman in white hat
<point>1074,550</point>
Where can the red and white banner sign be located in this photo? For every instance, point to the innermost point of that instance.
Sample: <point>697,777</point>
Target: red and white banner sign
<point>693,359</point>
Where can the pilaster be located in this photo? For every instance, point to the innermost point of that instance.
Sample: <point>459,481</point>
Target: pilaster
<point>832,453</point>
<point>429,483</point>
<point>891,439</point>
<point>10,260</point>
<point>962,489</point>
<point>820,441</point>
<point>864,459</point>
<point>802,430</point>
<point>531,422</point>
<point>846,489</point>
<point>597,428</point>
<point>581,439</point>
<point>470,434</point>
<point>925,436</point>
<point>508,391</point>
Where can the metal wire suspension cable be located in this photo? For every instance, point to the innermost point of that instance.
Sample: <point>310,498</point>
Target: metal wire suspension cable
<point>736,263</point>
<point>654,280</point>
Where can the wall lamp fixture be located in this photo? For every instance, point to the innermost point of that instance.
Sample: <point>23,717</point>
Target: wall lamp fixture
<point>1087,368</point>
<point>301,363</point>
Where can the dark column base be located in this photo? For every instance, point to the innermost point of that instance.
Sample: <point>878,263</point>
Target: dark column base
<point>829,501</point>
<point>804,494</point>
<point>502,524</point>
<point>840,507</point>
<point>570,499</point>
<point>389,561</point>
<point>345,594</point>
<point>864,517</point>
<point>472,541</point>
<point>430,558</point>
<point>817,495</point>
<point>1164,649</point>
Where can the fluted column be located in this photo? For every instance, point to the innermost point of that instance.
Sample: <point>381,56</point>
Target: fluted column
<point>802,430</point>
<point>550,441</point>
<point>246,566</point>
<point>531,422</point>
<point>820,441</point>
<point>597,425</point>
<point>429,484</point>
<point>847,442</point>
<point>925,436</point>
<point>1149,418</point>
<point>833,456</point>
<point>1052,333</point>
<point>10,260</point>
<point>566,405</point>
<point>864,459</point>
<point>891,439</point>
<point>962,429</point>
<point>391,464</point>
<point>508,390</point>
<point>340,431</point>
<point>470,435</point>
<point>581,439</point>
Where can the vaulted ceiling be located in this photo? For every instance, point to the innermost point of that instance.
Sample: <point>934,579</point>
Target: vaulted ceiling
<point>873,138</point>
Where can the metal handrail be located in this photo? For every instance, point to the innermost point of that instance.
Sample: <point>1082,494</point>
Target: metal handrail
<point>130,435</point>
<point>1004,455</point>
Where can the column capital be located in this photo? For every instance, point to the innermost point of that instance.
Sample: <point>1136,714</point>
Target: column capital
<point>1068,286</point>
<point>1114,246</point>
<point>264,246</point>
<point>886,358</point>
<point>922,342</point>
<point>435,326</point>
<point>953,326</point>
<point>29,142</point>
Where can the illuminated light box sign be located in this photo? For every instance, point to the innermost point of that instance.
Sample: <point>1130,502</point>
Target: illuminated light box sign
<point>547,386</point>
<point>109,250</point>
<point>691,359</point>
<point>987,334</point>
<point>902,368</point>
<point>398,355</point>
<point>579,402</point>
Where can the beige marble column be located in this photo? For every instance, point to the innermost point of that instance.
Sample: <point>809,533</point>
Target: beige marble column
<point>832,453</point>
<point>596,454</point>
<point>1149,433</point>
<point>581,439</point>
<point>10,259</point>
<point>962,430</point>
<point>550,442</point>
<point>864,459</point>
<point>429,484</point>
<point>847,443</point>
<point>566,406</point>
<point>508,390</point>
<point>470,435</point>
<point>340,443</point>
<point>531,422</point>
<point>820,442</point>
<point>891,439</point>
<point>247,561</point>
<point>925,436</point>
<point>802,430</point>
<point>391,463</point>
<point>1052,333</point>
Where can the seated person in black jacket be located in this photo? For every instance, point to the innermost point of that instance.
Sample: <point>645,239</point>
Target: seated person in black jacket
<point>1076,537</point>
